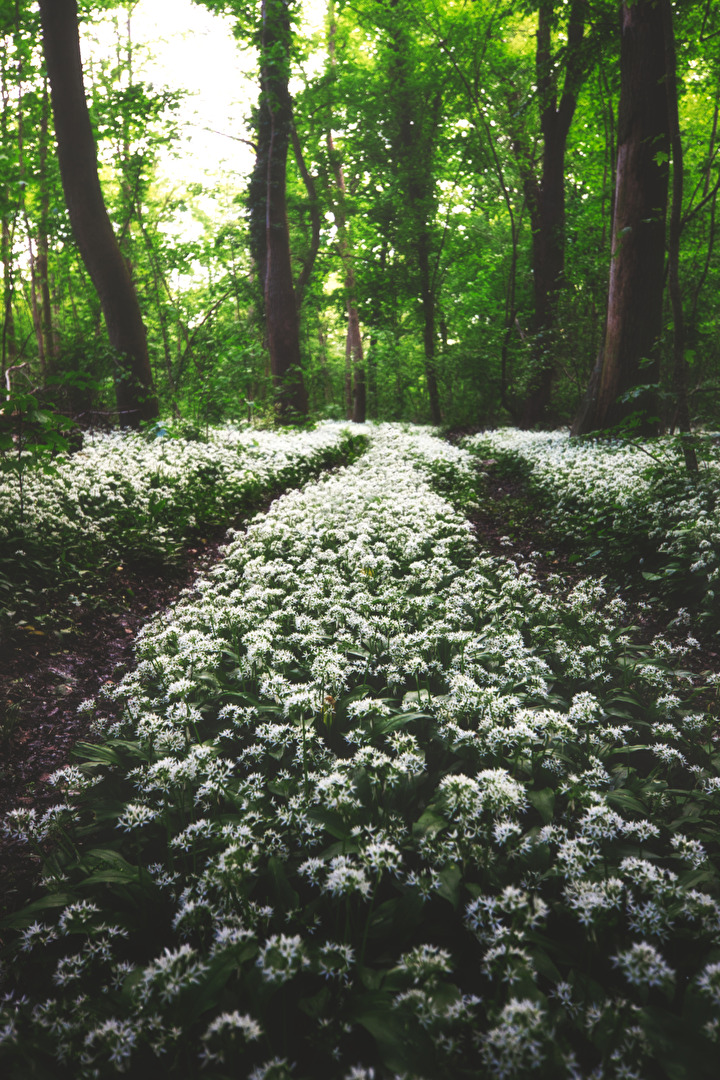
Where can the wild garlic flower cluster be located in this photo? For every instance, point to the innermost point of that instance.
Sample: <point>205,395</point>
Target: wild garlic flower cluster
<point>637,497</point>
<point>381,806</point>
<point>124,495</point>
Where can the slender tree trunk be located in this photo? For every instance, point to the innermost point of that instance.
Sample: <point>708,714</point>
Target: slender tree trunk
<point>482,124</point>
<point>162,291</point>
<point>414,147</point>
<point>91,225</point>
<point>682,412</point>
<point>547,205</point>
<point>355,394</point>
<point>630,355</point>
<point>9,342</point>
<point>427,297</point>
<point>322,357</point>
<point>35,308</point>
<point>283,328</point>
<point>308,180</point>
<point>348,377</point>
<point>257,202</point>
<point>7,235</point>
<point>355,391</point>
<point>50,342</point>
<point>371,384</point>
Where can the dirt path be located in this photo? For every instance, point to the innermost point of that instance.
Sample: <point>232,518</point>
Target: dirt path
<point>43,680</point>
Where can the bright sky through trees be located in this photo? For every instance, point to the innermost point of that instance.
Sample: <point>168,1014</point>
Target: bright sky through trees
<point>183,46</point>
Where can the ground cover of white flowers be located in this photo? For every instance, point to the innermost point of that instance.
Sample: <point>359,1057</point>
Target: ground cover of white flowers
<point>136,497</point>
<point>630,502</point>
<point>380,806</point>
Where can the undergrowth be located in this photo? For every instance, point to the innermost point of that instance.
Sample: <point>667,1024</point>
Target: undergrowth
<point>628,509</point>
<point>67,521</point>
<point>380,807</point>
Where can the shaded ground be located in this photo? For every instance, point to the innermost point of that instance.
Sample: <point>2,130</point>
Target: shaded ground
<point>510,522</point>
<point>43,680</point>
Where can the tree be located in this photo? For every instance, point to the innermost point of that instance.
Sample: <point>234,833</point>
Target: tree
<point>630,353</point>
<point>355,392</point>
<point>415,94</point>
<point>98,245</point>
<point>269,206</point>
<point>682,414</point>
<point>546,195</point>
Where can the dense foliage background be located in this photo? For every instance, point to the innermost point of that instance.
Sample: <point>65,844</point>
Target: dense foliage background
<point>424,134</point>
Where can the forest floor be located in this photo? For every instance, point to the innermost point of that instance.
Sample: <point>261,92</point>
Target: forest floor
<point>413,713</point>
<point>43,680</point>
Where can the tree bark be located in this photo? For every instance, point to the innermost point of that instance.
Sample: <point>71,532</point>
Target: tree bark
<point>98,245</point>
<point>427,297</point>
<point>355,390</point>
<point>283,327</point>
<point>257,201</point>
<point>51,344</point>
<point>8,355</point>
<point>682,412</point>
<point>417,120</point>
<point>630,354</point>
<point>309,260</point>
<point>547,203</point>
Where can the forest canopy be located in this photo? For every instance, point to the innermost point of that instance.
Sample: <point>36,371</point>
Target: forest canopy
<point>456,211</point>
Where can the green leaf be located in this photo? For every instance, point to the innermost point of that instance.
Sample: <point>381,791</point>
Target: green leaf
<point>429,824</point>
<point>104,755</point>
<point>544,802</point>
<point>20,919</point>
<point>284,892</point>
<point>451,878</point>
<point>624,800</point>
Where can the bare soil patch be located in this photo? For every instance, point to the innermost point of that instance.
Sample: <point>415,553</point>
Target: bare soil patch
<point>44,678</point>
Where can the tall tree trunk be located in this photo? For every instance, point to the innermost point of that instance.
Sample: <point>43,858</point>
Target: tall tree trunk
<point>630,354</point>
<point>308,261</point>
<point>257,202</point>
<point>547,203</point>
<point>50,342</point>
<point>77,156</point>
<point>417,120</point>
<point>427,297</point>
<point>8,356</point>
<point>355,394</point>
<point>283,327</point>
<point>9,342</point>
<point>371,384</point>
<point>682,412</point>
<point>35,312</point>
<point>482,124</point>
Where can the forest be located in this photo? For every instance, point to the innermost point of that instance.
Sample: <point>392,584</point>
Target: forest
<point>359,546</point>
<point>434,199</point>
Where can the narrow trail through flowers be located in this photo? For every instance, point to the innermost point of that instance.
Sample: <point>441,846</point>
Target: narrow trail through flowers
<point>378,805</point>
<point>132,522</point>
